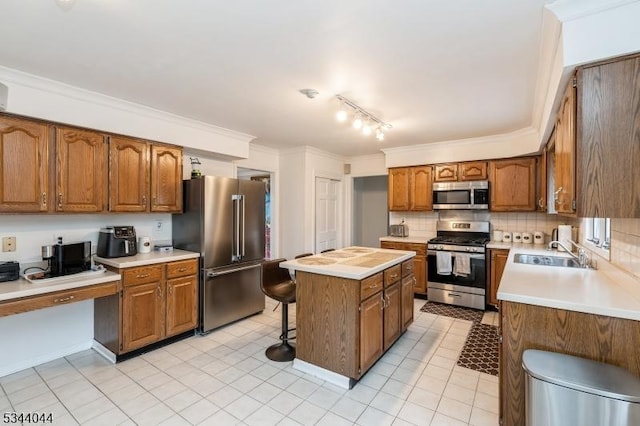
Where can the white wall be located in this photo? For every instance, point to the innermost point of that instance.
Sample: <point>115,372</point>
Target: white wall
<point>293,187</point>
<point>298,169</point>
<point>36,337</point>
<point>267,160</point>
<point>46,334</point>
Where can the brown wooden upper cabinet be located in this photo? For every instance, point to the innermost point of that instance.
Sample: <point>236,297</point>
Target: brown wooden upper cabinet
<point>607,133</point>
<point>420,188</point>
<point>144,177</point>
<point>409,189</point>
<point>166,179</point>
<point>445,173</point>
<point>513,184</point>
<point>128,175</point>
<point>470,170</point>
<point>24,166</point>
<point>565,155</point>
<point>398,189</point>
<point>81,171</point>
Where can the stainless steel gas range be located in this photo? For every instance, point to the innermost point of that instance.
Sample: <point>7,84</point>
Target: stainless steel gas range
<point>456,263</point>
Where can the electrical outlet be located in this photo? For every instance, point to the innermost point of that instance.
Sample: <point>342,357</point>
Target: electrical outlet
<point>8,243</point>
<point>159,225</point>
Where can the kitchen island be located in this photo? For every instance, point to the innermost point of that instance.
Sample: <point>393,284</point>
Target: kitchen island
<point>593,314</point>
<point>352,305</point>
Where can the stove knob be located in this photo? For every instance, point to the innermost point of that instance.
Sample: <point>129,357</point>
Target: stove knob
<point>440,247</point>
<point>468,249</point>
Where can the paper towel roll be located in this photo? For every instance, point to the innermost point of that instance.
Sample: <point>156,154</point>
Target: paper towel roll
<point>564,235</point>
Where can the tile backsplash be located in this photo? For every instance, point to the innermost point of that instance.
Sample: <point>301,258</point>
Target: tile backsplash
<point>625,245</point>
<point>423,224</point>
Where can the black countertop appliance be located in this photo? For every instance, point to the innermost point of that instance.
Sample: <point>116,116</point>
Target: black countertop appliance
<point>117,241</point>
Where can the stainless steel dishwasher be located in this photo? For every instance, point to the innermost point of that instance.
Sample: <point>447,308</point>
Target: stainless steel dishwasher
<point>565,390</point>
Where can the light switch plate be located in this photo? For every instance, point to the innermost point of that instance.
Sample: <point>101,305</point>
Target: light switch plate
<point>8,244</point>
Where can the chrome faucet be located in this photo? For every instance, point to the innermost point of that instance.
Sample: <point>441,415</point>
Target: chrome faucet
<point>581,257</point>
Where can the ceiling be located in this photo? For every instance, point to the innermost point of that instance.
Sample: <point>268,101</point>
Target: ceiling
<point>435,70</point>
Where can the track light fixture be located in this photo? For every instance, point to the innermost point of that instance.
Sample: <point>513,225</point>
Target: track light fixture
<point>363,120</point>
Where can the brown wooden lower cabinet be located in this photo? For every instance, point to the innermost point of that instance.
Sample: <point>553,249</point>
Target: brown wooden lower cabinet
<point>155,302</point>
<point>497,259</point>
<point>596,337</point>
<point>345,325</point>
<point>419,262</point>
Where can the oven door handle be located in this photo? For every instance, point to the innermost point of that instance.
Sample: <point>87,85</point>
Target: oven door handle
<point>454,253</point>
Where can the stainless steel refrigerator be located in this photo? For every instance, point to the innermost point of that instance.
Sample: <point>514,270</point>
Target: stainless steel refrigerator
<point>223,220</point>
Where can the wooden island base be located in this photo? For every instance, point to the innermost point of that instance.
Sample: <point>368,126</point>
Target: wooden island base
<point>344,325</point>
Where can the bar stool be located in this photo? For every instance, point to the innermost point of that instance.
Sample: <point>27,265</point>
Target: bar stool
<point>277,285</point>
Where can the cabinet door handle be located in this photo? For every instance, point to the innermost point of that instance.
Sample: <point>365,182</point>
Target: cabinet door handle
<point>170,290</point>
<point>540,203</point>
<point>159,292</point>
<point>144,201</point>
<point>454,294</point>
<point>44,199</point>
<point>372,286</point>
<point>143,275</point>
<point>63,300</point>
<point>393,276</point>
<point>60,200</point>
<point>182,269</point>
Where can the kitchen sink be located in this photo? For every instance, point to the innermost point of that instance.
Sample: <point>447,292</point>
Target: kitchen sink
<point>539,259</point>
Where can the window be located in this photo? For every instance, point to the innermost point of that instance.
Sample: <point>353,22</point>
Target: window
<point>598,232</point>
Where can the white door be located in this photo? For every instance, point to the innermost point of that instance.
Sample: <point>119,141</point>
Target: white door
<point>326,214</point>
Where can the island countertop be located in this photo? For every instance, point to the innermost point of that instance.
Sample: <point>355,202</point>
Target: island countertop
<point>350,262</point>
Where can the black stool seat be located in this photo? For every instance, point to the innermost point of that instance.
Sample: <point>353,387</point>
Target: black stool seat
<point>277,284</point>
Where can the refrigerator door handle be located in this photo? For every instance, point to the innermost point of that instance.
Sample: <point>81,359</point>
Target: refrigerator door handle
<point>242,203</point>
<point>213,274</point>
<point>235,245</point>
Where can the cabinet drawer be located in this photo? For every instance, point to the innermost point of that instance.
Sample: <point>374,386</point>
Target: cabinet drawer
<point>391,275</point>
<point>420,249</point>
<point>57,298</point>
<point>370,286</point>
<point>407,267</point>
<point>182,268</point>
<point>142,275</point>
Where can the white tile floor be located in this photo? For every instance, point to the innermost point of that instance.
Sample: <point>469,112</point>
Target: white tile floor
<point>225,379</point>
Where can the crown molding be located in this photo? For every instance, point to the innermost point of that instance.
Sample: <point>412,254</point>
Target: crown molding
<point>62,89</point>
<point>569,10</point>
<point>503,137</point>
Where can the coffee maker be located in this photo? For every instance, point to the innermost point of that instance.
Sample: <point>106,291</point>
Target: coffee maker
<point>66,259</point>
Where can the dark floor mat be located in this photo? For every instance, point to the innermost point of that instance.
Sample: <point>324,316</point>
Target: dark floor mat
<point>458,312</point>
<point>480,352</point>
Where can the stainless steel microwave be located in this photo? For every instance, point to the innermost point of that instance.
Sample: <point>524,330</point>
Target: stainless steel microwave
<point>473,195</point>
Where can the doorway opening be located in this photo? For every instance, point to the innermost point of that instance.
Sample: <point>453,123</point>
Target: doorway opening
<point>267,179</point>
<point>370,219</point>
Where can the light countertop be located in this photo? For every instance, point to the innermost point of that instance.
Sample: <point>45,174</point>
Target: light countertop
<point>147,258</point>
<point>344,262</point>
<point>606,291</point>
<point>11,290</point>
<point>419,240</point>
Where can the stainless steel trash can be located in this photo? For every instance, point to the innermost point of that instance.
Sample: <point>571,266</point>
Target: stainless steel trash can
<point>564,390</point>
